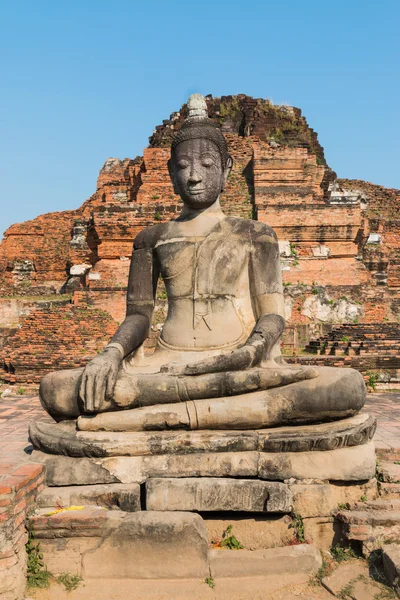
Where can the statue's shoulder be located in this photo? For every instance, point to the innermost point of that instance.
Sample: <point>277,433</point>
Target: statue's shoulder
<point>148,237</point>
<point>254,229</point>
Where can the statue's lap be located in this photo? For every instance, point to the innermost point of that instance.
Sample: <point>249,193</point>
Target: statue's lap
<point>335,393</point>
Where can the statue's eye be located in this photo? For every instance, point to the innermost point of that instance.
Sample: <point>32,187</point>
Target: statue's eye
<point>183,164</point>
<point>207,162</point>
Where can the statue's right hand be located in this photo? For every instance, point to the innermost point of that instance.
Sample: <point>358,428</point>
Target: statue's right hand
<point>99,379</point>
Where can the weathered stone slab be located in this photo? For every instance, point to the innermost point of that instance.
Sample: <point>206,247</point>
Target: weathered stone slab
<point>345,574</point>
<point>355,463</point>
<point>112,495</point>
<point>367,589</point>
<point>304,558</point>
<point>63,438</point>
<point>65,470</point>
<point>213,494</point>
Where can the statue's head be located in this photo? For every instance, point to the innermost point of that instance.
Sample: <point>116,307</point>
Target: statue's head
<point>200,163</point>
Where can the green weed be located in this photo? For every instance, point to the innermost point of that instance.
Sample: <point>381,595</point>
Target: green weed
<point>69,581</point>
<point>230,541</point>
<point>372,380</point>
<point>298,525</point>
<point>341,554</point>
<point>37,574</point>
<point>210,582</point>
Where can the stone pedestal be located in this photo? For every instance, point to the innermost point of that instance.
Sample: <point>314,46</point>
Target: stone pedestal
<point>175,493</point>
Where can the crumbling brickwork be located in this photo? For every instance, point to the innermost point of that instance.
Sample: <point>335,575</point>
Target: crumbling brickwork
<point>56,338</point>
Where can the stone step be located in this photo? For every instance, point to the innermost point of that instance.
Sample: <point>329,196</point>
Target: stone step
<point>303,558</point>
<point>379,504</point>
<point>386,453</point>
<point>293,586</point>
<point>346,576</point>
<point>372,525</point>
<point>389,472</point>
<point>389,491</point>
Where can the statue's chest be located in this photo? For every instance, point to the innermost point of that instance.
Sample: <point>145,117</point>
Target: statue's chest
<point>203,267</point>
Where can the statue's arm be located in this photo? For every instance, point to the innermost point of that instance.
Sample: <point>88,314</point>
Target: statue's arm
<point>100,375</point>
<point>265,276</point>
<point>142,284</point>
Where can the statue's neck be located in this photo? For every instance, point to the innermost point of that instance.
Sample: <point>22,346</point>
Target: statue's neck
<point>214,212</point>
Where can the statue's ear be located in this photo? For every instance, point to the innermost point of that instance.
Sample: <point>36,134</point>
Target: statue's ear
<point>227,170</point>
<point>171,172</point>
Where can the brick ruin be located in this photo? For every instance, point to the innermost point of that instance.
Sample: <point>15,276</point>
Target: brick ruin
<point>339,239</point>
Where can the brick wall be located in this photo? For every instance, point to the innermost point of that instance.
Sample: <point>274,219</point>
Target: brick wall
<point>19,487</point>
<point>56,338</point>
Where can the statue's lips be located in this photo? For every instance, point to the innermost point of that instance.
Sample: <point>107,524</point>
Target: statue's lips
<point>196,192</point>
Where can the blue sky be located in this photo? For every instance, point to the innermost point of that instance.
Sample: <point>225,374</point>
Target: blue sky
<point>87,79</point>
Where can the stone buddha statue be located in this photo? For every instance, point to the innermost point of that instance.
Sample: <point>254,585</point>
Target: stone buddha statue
<point>217,363</point>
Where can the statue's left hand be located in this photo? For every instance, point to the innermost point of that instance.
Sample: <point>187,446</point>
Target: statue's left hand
<point>238,360</point>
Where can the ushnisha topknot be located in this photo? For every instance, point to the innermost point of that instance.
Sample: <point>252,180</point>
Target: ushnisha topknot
<point>198,125</point>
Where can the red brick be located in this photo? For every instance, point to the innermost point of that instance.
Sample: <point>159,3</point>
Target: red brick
<point>31,470</point>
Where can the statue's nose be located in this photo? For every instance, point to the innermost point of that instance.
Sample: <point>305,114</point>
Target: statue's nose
<point>194,178</point>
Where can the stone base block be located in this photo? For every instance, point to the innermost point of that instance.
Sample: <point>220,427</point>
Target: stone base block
<point>355,463</point>
<point>215,494</point>
<point>94,542</point>
<point>303,558</point>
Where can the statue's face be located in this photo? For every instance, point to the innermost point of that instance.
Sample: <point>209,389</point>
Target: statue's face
<point>197,173</point>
